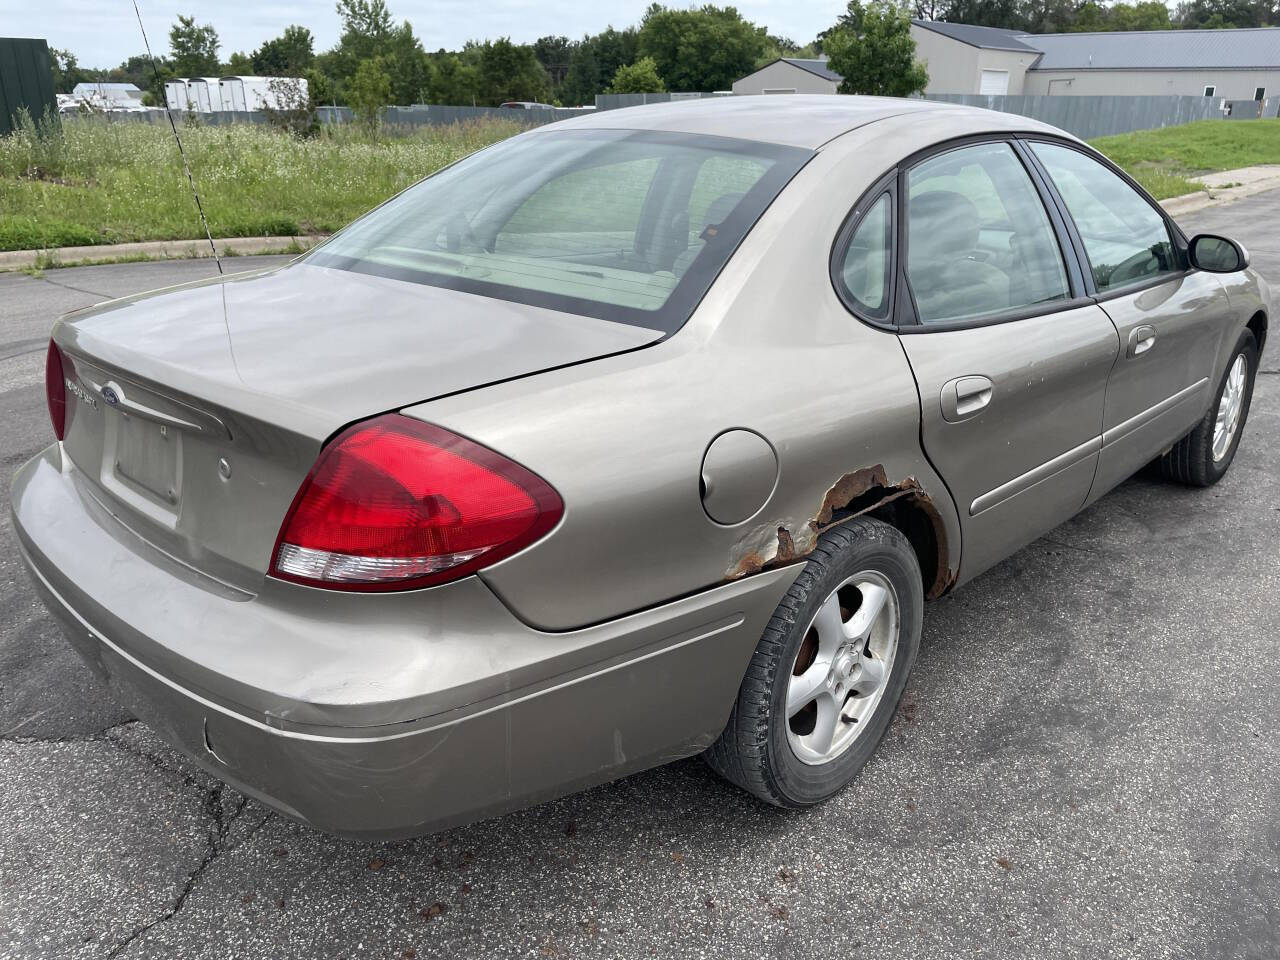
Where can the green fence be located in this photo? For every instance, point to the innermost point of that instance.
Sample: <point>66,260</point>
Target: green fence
<point>26,80</point>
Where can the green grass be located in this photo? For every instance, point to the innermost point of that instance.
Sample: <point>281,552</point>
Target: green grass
<point>1163,160</point>
<point>96,182</point>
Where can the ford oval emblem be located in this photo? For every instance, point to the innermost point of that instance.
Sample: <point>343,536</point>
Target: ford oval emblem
<point>109,394</point>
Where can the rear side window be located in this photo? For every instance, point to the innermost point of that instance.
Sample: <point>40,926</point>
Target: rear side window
<point>864,272</point>
<point>979,241</point>
<point>631,226</point>
<point>1126,240</point>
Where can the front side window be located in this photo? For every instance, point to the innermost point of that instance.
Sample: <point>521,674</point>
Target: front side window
<point>979,241</point>
<point>1126,239</point>
<point>630,226</point>
<point>864,271</point>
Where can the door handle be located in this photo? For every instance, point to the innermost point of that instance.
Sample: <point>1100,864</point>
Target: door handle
<point>1141,339</point>
<point>965,397</point>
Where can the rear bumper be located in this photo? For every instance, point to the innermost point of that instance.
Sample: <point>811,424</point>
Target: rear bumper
<point>381,715</point>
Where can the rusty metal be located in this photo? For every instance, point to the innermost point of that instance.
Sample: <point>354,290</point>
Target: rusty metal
<point>855,494</point>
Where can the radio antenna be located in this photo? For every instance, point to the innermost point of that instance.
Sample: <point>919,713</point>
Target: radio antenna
<point>155,71</point>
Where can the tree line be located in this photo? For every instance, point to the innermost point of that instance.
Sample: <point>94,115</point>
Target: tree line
<point>379,61</point>
<point>1072,16</point>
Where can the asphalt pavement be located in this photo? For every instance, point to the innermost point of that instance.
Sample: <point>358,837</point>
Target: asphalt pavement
<point>1084,765</point>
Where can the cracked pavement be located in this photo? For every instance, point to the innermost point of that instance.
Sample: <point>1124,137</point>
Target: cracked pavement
<point>1084,765</point>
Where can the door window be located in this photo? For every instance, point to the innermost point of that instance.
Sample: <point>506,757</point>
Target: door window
<point>1126,239</point>
<point>1209,88</point>
<point>1259,93</point>
<point>979,242</point>
<point>865,271</point>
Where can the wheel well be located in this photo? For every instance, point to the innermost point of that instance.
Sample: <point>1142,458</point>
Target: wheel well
<point>922,528</point>
<point>1258,324</point>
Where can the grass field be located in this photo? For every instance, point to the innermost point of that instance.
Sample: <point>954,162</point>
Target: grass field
<point>1161,160</point>
<point>97,182</point>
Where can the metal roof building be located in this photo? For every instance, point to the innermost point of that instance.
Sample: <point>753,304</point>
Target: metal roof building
<point>1226,64</point>
<point>790,75</point>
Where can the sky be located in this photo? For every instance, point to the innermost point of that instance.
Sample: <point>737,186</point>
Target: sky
<point>103,33</point>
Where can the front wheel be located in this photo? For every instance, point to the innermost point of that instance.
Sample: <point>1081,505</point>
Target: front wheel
<point>827,675</point>
<point>1204,455</point>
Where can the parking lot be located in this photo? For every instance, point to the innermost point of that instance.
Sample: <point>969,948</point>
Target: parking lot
<point>1085,764</point>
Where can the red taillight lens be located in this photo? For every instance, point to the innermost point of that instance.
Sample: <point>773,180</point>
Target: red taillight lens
<point>55,390</point>
<point>394,503</point>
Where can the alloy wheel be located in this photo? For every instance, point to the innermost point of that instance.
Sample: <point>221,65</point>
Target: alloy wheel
<point>842,667</point>
<point>1229,408</point>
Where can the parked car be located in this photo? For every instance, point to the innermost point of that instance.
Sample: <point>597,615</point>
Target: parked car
<point>633,437</point>
<point>525,105</point>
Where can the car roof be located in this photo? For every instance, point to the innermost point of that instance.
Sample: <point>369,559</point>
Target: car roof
<point>798,120</point>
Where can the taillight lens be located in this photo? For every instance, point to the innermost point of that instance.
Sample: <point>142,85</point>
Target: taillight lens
<point>55,390</point>
<point>394,504</point>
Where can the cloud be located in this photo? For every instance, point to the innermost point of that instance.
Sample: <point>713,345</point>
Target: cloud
<point>105,34</point>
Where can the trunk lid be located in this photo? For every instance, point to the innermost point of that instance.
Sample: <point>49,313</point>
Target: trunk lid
<point>195,413</point>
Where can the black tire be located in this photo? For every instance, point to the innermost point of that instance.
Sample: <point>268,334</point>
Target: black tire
<point>1191,459</point>
<point>754,751</point>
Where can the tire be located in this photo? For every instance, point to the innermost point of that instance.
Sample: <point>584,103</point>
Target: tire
<point>1192,460</point>
<point>777,757</point>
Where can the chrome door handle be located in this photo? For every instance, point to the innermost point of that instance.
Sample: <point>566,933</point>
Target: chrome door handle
<point>965,397</point>
<point>1141,339</point>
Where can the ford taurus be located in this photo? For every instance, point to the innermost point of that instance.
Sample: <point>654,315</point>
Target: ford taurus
<point>637,436</point>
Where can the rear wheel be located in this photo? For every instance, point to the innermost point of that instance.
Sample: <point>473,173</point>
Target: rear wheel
<point>827,675</point>
<point>1204,455</point>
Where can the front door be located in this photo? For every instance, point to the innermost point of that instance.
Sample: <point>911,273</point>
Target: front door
<point>1011,360</point>
<point>1170,320</point>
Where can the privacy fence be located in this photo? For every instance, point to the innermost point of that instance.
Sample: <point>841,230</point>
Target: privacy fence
<point>1086,117</point>
<point>419,115</point>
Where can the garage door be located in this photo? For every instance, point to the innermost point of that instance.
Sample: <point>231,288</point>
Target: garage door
<point>994,83</point>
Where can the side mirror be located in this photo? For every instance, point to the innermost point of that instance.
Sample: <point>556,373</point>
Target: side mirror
<point>1217,254</point>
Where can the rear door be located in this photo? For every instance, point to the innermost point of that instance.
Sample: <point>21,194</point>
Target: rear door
<point>1010,357</point>
<point>1170,319</point>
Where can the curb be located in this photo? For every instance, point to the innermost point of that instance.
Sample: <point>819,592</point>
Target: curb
<point>153,250</point>
<point>1217,196</point>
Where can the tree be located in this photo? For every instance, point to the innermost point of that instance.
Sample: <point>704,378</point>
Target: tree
<point>509,71</point>
<point>983,13</point>
<point>639,77</point>
<point>193,48</point>
<point>554,54</point>
<point>595,60</point>
<point>880,58</point>
<point>240,65</point>
<point>452,80</point>
<point>1211,14</point>
<point>1144,15</point>
<point>368,32</point>
<point>287,55</point>
<point>295,107</point>
<point>704,49</point>
<point>67,72</point>
<point>369,93</point>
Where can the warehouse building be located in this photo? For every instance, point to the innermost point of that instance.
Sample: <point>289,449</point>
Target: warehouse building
<point>1239,64</point>
<point>789,75</point>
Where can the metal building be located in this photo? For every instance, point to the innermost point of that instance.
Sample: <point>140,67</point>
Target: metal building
<point>26,80</point>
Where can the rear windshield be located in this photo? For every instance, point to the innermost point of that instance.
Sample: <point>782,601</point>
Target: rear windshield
<point>622,225</point>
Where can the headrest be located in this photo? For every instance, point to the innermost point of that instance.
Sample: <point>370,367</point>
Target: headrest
<point>943,225</point>
<point>719,209</point>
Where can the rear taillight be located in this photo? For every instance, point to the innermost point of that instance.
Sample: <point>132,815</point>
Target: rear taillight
<point>394,504</point>
<point>55,390</point>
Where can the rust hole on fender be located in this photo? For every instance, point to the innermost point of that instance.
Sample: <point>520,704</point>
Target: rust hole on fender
<point>863,492</point>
